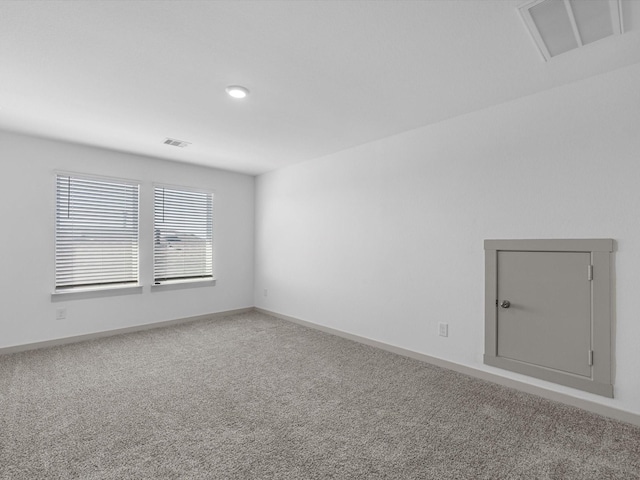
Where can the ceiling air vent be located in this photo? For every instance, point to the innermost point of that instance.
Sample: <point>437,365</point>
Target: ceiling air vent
<point>176,143</point>
<point>558,26</point>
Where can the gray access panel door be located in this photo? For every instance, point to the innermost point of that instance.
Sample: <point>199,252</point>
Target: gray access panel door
<point>557,324</point>
<point>547,321</point>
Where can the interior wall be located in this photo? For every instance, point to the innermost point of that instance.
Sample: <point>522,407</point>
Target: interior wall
<point>27,202</point>
<point>386,240</point>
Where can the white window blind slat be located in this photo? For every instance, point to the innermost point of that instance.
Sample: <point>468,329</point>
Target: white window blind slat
<point>183,235</point>
<point>96,232</point>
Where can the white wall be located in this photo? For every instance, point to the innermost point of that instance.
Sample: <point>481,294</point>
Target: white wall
<point>386,240</point>
<point>27,200</point>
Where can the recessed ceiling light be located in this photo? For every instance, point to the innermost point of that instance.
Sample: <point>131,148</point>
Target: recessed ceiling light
<point>237,91</point>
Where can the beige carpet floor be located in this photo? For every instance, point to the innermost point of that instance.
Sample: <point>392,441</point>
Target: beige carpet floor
<point>254,397</point>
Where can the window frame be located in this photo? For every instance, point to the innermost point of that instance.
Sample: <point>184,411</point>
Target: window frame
<point>171,283</point>
<point>105,288</point>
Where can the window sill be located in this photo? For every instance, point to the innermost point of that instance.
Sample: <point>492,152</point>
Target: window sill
<point>96,292</point>
<point>182,284</point>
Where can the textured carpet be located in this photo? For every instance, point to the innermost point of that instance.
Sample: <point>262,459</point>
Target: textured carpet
<point>254,397</point>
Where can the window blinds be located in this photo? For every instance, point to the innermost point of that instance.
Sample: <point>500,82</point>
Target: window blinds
<point>96,232</point>
<point>183,235</point>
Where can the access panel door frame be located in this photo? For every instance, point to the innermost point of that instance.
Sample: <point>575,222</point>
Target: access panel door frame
<point>600,379</point>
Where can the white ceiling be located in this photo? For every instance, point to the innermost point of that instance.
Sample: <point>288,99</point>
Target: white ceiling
<point>324,75</point>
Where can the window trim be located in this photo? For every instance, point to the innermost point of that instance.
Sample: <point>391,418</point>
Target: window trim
<point>105,289</point>
<point>182,282</point>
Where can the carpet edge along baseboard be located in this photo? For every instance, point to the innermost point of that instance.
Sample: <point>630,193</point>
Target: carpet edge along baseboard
<point>118,331</point>
<point>566,399</point>
<point>588,405</point>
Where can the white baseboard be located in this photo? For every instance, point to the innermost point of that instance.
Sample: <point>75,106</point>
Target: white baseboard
<point>587,405</point>
<point>117,331</point>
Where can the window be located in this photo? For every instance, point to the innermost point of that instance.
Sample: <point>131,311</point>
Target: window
<point>183,235</point>
<point>96,233</point>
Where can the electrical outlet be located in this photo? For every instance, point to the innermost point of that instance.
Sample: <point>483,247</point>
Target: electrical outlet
<point>443,329</point>
<point>61,313</point>
<point>266,292</point>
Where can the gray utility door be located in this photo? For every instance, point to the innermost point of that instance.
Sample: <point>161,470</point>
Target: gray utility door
<point>548,320</point>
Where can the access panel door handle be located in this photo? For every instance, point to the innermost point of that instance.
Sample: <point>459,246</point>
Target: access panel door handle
<point>505,304</point>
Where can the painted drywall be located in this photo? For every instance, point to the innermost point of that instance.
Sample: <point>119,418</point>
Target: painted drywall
<point>386,240</point>
<point>27,201</point>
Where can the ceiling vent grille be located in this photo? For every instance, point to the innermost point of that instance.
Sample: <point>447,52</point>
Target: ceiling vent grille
<point>558,26</point>
<point>176,143</point>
